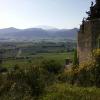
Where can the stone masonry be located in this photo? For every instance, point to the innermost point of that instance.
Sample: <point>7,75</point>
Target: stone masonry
<point>89,33</point>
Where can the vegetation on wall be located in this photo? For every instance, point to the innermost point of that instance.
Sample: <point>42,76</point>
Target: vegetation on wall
<point>86,74</point>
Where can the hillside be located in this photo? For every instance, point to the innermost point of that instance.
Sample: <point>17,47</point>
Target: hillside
<point>9,34</point>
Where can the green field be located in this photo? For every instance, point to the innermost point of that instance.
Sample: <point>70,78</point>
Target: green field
<point>36,59</point>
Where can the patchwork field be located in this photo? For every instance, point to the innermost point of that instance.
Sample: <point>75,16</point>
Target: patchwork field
<point>36,59</point>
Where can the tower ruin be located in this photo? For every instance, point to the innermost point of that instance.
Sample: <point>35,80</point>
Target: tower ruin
<point>89,33</point>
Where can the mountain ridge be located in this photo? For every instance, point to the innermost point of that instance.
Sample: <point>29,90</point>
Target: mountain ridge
<point>32,33</point>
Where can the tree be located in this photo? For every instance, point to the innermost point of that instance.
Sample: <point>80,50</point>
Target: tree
<point>75,59</point>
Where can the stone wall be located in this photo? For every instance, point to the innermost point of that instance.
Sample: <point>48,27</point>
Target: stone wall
<point>87,39</point>
<point>95,32</point>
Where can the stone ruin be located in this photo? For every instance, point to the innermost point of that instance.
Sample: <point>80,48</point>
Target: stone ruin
<point>89,33</point>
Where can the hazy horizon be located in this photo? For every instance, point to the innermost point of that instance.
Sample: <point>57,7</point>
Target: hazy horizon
<point>60,14</point>
<point>41,27</point>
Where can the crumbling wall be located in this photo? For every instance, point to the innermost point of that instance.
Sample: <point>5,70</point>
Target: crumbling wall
<point>95,32</point>
<point>87,39</point>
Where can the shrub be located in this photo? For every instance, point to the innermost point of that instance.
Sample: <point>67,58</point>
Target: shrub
<point>96,55</point>
<point>52,66</point>
<point>86,74</point>
<point>20,84</point>
<point>35,79</point>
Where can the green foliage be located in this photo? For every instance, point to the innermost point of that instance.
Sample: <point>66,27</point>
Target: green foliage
<point>47,81</point>
<point>96,55</point>
<point>52,66</point>
<point>89,72</point>
<point>20,84</point>
<point>35,79</point>
<point>69,92</point>
<point>86,74</point>
<point>75,60</point>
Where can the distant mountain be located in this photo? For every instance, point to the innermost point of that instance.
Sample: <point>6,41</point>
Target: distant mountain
<point>37,33</point>
<point>9,30</point>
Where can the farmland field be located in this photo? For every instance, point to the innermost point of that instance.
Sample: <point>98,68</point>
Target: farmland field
<point>24,54</point>
<point>36,59</point>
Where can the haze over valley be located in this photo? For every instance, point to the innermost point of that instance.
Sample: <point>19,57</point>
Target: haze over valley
<point>37,34</point>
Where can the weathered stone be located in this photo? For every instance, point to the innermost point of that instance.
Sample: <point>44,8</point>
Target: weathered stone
<point>89,34</point>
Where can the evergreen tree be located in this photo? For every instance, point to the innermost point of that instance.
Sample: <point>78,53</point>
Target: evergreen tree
<point>75,59</point>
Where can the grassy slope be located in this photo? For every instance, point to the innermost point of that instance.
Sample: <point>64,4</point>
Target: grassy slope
<point>68,92</point>
<point>59,91</point>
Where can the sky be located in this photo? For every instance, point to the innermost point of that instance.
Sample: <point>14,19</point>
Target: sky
<point>31,13</point>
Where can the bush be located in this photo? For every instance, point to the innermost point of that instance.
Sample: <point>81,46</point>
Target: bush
<point>35,79</point>
<point>86,74</point>
<point>20,84</point>
<point>52,66</point>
